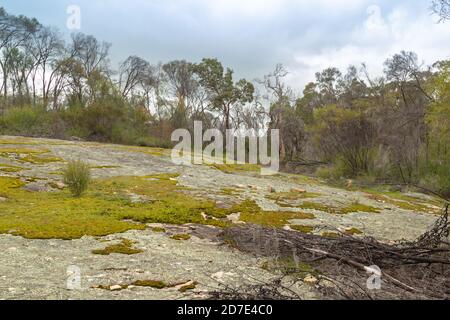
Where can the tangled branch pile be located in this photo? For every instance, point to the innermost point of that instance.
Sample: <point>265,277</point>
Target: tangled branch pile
<point>409,270</point>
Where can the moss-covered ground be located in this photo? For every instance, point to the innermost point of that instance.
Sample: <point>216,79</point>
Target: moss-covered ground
<point>104,209</point>
<point>124,247</point>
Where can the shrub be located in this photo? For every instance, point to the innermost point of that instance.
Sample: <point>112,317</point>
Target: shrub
<point>34,121</point>
<point>436,177</point>
<point>77,176</point>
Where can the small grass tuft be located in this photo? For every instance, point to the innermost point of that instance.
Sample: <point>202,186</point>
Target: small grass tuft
<point>77,176</point>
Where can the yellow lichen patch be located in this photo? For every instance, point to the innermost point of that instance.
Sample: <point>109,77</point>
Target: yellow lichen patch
<point>7,184</point>
<point>353,231</point>
<point>285,199</point>
<point>34,156</point>
<point>56,173</point>
<point>303,229</point>
<point>298,178</point>
<point>117,287</point>
<point>57,215</point>
<point>250,212</point>
<point>317,206</point>
<point>22,151</point>
<point>158,230</point>
<point>401,201</point>
<point>104,167</point>
<point>292,196</point>
<point>19,141</point>
<point>156,284</point>
<point>10,169</point>
<point>124,247</point>
<point>104,209</point>
<point>358,207</point>
<point>187,287</point>
<point>236,168</point>
<point>354,207</point>
<point>34,159</point>
<point>181,237</point>
<point>229,191</point>
<point>168,203</point>
<point>158,152</point>
<point>149,283</point>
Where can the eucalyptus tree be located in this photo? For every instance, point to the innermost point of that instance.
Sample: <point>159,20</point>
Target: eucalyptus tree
<point>87,65</point>
<point>14,31</point>
<point>224,95</point>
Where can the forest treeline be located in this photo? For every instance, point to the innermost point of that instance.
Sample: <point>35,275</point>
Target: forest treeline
<point>392,128</point>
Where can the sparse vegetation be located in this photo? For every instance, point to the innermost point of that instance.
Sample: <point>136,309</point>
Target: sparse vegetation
<point>104,209</point>
<point>358,207</point>
<point>10,169</point>
<point>363,159</point>
<point>180,237</point>
<point>353,231</point>
<point>236,168</point>
<point>252,213</point>
<point>303,229</point>
<point>124,247</point>
<point>188,287</point>
<point>156,284</point>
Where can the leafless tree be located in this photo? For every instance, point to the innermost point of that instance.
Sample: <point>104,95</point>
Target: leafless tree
<point>132,72</point>
<point>441,8</point>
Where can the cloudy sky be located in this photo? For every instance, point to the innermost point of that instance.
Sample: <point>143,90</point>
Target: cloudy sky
<point>251,36</point>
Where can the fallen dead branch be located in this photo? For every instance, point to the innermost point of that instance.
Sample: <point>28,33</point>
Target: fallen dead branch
<point>409,270</point>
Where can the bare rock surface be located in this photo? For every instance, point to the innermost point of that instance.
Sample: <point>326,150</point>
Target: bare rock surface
<point>38,269</point>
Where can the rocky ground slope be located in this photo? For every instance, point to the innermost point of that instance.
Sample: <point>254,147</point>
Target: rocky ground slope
<point>149,229</point>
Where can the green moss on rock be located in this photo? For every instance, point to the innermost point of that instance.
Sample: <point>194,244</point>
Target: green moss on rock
<point>156,284</point>
<point>105,209</point>
<point>250,212</point>
<point>358,207</point>
<point>236,168</point>
<point>303,229</point>
<point>10,168</point>
<point>180,237</point>
<point>187,287</point>
<point>353,231</point>
<point>124,247</point>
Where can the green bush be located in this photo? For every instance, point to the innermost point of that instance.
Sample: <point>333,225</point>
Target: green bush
<point>29,121</point>
<point>436,177</point>
<point>77,176</point>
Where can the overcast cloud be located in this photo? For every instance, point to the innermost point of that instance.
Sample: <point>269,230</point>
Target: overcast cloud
<point>251,36</point>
